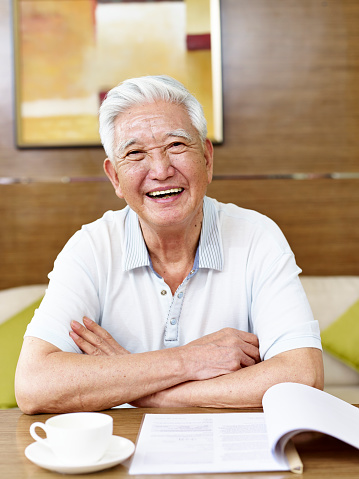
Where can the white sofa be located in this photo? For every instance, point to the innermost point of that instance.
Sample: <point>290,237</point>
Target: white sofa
<point>329,298</point>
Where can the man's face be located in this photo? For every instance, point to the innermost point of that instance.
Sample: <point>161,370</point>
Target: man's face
<point>161,168</point>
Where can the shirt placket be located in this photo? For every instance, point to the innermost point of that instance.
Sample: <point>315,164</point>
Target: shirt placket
<point>171,338</point>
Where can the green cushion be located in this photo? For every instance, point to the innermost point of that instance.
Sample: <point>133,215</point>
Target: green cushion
<point>341,338</point>
<point>11,338</point>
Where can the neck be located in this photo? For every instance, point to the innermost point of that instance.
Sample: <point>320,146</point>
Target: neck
<point>173,250</point>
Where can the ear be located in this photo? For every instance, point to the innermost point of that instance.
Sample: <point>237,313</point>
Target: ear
<point>111,173</point>
<point>208,155</point>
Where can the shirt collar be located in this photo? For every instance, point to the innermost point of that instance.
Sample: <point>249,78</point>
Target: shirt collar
<point>210,243</point>
<point>209,254</point>
<point>136,254</point>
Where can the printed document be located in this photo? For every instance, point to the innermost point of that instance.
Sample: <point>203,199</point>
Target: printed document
<point>194,443</point>
<point>243,441</point>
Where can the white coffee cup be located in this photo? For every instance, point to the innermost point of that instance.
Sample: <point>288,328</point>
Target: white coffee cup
<point>76,438</point>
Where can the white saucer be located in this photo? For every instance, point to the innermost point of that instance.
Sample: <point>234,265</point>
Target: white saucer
<point>119,450</point>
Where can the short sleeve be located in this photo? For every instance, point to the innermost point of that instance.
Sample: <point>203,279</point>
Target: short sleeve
<point>280,312</point>
<point>72,294</point>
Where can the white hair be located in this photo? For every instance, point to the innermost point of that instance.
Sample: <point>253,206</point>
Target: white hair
<point>141,90</point>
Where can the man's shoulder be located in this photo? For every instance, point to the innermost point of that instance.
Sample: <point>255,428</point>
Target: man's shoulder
<point>99,231</point>
<point>108,220</point>
<point>240,214</point>
<point>237,221</point>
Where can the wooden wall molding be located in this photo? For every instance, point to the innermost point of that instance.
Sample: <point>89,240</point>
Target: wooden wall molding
<point>291,106</point>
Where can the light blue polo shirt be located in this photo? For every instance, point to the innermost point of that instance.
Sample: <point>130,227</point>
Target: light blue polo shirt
<point>244,276</point>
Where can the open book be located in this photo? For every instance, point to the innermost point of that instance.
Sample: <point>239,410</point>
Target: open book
<point>244,441</point>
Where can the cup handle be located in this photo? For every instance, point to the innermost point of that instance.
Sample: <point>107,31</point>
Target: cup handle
<point>37,438</point>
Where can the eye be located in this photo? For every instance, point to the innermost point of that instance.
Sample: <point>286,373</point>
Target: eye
<point>135,155</point>
<point>177,146</point>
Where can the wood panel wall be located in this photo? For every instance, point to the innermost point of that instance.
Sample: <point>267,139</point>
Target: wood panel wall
<point>291,106</point>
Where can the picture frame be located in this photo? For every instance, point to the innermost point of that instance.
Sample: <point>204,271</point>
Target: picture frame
<point>69,53</point>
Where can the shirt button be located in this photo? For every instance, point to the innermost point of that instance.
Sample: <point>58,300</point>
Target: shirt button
<point>163,292</point>
<point>173,321</point>
<point>192,272</point>
<point>179,295</point>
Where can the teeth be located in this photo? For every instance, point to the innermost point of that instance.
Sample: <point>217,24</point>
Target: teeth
<point>165,192</point>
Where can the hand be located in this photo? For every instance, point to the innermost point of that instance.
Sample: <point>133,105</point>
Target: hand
<point>94,340</point>
<point>230,337</point>
<point>223,352</point>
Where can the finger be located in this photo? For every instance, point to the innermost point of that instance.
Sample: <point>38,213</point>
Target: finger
<point>248,337</point>
<point>90,342</point>
<point>84,345</point>
<point>247,361</point>
<point>103,334</point>
<point>229,334</point>
<point>251,351</point>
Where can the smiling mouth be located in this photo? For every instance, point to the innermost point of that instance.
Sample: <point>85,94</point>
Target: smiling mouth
<point>165,193</point>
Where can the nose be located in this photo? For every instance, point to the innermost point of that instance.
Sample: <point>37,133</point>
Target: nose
<point>160,167</point>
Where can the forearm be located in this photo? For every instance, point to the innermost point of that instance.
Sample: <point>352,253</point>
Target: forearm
<point>62,382</point>
<point>50,380</point>
<point>245,387</point>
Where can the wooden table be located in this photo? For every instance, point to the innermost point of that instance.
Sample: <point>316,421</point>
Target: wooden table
<point>322,456</point>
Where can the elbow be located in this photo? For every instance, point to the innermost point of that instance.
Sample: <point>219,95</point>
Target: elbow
<point>32,402</point>
<point>30,398</point>
<point>27,407</point>
<point>318,366</point>
<point>313,369</point>
<point>25,397</point>
<point>314,378</point>
<point>304,366</point>
<point>318,379</point>
<point>37,389</point>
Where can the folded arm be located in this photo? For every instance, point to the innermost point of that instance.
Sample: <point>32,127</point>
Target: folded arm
<point>244,387</point>
<point>50,380</point>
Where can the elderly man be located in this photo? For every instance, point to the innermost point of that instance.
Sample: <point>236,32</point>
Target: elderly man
<point>176,300</point>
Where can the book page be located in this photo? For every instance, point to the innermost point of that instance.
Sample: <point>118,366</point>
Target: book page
<point>292,408</point>
<point>197,443</point>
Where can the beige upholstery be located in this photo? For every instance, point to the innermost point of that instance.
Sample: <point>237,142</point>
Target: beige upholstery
<point>329,297</point>
<point>14,300</point>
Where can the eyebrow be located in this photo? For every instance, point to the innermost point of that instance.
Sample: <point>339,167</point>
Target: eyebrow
<point>180,133</point>
<point>125,144</point>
